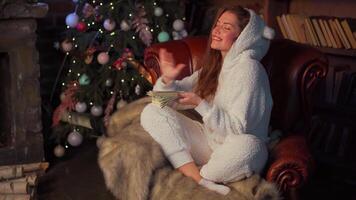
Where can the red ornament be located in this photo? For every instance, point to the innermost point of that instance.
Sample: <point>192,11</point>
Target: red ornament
<point>81,26</point>
<point>118,63</point>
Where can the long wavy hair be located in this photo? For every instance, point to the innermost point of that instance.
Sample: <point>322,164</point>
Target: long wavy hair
<point>212,62</point>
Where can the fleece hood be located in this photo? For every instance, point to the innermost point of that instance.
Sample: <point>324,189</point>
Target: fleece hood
<point>253,41</point>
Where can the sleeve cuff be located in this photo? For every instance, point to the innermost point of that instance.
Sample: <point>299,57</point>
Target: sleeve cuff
<point>203,108</point>
<point>160,86</point>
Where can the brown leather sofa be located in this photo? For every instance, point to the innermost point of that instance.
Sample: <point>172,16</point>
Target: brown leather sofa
<point>294,71</point>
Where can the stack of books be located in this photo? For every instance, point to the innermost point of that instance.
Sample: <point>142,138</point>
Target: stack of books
<point>321,31</point>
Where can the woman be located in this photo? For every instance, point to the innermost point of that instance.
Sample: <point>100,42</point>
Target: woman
<point>231,92</point>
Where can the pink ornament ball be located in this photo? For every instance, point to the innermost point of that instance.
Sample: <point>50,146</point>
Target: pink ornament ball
<point>66,46</point>
<point>103,58</point>
<point>59,151</point>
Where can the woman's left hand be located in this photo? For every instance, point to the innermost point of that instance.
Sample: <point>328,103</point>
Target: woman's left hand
<point>189,98</point>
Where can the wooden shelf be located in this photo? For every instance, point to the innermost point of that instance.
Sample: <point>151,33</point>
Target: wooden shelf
<point>340,52</point>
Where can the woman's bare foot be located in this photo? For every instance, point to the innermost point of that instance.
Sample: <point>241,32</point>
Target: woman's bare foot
<point>191,170</point>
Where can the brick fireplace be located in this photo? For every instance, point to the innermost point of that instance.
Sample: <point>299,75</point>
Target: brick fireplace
<point>21,139</point>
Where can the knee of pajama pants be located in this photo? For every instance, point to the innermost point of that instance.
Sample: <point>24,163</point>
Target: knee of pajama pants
<point>149,115</point>
<point>237,158</point>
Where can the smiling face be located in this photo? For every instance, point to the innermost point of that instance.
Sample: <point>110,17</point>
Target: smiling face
<point>225,32</point>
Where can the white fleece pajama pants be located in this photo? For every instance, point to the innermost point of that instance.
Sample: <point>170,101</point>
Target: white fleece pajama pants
<point>183,140</point>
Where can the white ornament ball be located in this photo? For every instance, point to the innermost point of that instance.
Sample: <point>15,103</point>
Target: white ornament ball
<point>62,96</point>
<point>109,24</point>
<point>59,151</point>
<point>178,25</point>
<point>121,104</point>
<point>176,35</point>
<point>124,25</point>
<point>138,89</point>
<point>81,107</point>
<point>75,1</point>
<point>183,33</point>
<point>96,111</point>
<point>66,46</point>
<point>108,82</point>
<point>72,20</point>
<point>158,11</point>
<point>103,58</point>
<point>75,138</point>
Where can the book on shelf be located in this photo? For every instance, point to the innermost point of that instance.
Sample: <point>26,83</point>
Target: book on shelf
<point>333,82</point>
<point>351,100</point>
<point>339,33</point>
<point>348,32</point>
<point>342,33</point>
<point>338,75</point>
<point>324,32</point>
<point>287,28</point>
<point>328,31</point>
<point>312,32</point>
<point>343,90</point>
<point>319,32</point>
<point>299,27</point>
<point>282,28</point>
<point>335,33</point>
<point>347,97</point>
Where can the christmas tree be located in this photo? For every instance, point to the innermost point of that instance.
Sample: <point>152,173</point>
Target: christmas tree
<point>102,71</point>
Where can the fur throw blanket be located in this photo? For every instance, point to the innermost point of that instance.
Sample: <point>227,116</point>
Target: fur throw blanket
<point>135,167</point>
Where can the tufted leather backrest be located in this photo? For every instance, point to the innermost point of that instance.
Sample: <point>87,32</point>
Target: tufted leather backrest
<point>293,69</point>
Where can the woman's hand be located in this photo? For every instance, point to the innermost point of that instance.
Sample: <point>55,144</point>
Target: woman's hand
<point>170,70</point>
<point>189,98</point>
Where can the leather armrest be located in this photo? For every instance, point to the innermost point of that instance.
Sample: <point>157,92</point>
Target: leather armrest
<point>291,162</point>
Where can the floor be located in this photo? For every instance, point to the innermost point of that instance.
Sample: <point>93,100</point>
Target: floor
<point>77,176</point>
<point>74,177</point>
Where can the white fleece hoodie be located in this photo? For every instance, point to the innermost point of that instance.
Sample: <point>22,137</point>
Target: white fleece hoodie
<point>242,102</point>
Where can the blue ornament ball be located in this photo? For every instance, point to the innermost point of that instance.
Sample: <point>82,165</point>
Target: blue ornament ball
<point>72,20</point>
<point>163,36</point>
<point>84,79</point>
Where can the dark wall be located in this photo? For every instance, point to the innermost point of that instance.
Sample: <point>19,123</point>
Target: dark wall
<point>49,31</point>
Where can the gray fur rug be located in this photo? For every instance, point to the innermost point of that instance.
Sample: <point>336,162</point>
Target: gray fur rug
<point>135,168</point>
